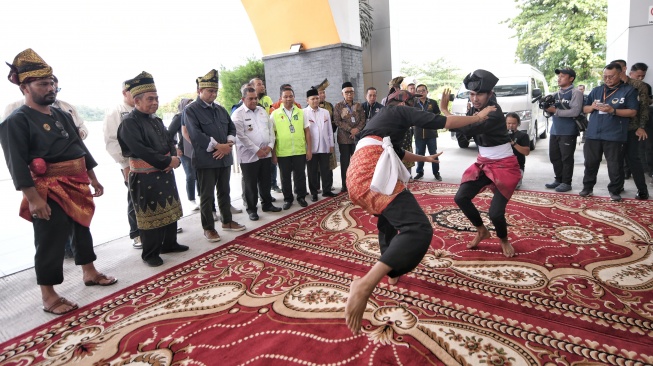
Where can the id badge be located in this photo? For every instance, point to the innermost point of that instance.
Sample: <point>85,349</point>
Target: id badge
<point>292,129</point>
<point>353,120</point>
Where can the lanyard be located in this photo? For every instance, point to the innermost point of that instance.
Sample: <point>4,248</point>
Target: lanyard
<point>422,105</point>
<point>350,110</point>
<point>289,117</point>
<point>605,98</point>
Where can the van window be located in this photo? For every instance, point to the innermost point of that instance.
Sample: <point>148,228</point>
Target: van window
<point>507,87</point>
<point>534,84</point>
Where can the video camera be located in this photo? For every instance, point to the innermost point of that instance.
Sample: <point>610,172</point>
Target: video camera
<point>545,102</point>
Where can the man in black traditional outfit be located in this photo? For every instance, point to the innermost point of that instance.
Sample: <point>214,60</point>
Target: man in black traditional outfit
<point>377,182</point>
<point>152,155</point>
<point>53,168</point>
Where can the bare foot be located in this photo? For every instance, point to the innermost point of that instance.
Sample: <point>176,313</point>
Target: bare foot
<point>356,304</point>
<point>507,248</point>
<point>482,233</point>
<point>393,280</point>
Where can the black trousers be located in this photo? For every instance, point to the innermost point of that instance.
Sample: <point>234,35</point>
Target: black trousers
<point>346,152</point>
<point>497,212</point>
<point>405,234</point>
<point>561,155</point>
<point>131,213</point>
<point>318,167</point>
<point>155,239</point>
<point>648,143</point>
<point>208,181</point>
<point>50,238</point>
<point>633,157</point>
<point>293,167</point>
<point>255,181</point>
<point>614,156</point>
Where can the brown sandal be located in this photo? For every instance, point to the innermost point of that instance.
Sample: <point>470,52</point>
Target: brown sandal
<point>98,278</point>
<point>60,301</point>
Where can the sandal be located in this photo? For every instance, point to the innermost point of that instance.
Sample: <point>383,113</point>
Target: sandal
<point>60,301</point>
<point>100,277</point>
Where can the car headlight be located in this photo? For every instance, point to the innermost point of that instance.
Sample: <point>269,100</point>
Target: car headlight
<point>524,116</point>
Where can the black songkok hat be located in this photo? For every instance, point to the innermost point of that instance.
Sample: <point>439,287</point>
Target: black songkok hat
<point>28,66</point>
<point>311,92</point>
<point>142,83</point>
<point>480,81</point>
<point>347,84</point>
<point>210,80</point>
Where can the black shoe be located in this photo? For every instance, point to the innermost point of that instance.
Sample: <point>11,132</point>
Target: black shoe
<point>287,205</point>
<point>343,190</point>
<point>554,184</point>
<point>253,216</point>
<point>176,249</point>
<point>328,194</point>
<point>620,190</point>
<point>276,189</point>
<point>314,198</point>
<point>273,199</point>
<point>419,176</point>
<point>641,195</point>
<point>586,192</point>
<point>615,197</point>
<point>302,202</point>
<point>154,261</point>
<point>438,177</point>
<point>271,208</point>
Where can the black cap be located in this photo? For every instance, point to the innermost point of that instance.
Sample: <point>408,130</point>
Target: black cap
<point>567,71</point>
<point>311,92</point>
<point>480,81</point>
<point>347,84</point>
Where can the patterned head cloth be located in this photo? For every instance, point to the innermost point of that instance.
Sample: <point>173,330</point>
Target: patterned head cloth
<point>480,81</point>
<point>322,86</point>
<point>402,96</point>
<point>143,83</point>
<point>396,82</point>
<point>28,66</point>
<point>210,80</point>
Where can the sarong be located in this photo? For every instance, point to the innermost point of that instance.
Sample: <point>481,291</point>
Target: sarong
<point>154,194</point>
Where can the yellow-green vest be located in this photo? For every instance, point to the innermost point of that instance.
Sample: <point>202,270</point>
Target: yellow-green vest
<point>288,143</point>
<point>266,102</point>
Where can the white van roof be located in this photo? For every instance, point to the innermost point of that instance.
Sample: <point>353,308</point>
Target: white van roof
<point>514,70</point>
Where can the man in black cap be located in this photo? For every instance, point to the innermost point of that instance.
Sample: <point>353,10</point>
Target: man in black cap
<point>562,142</point>
<point>350,119</point>
<point>496,166</point>
<point>319,123</point>
<point>52,167</point>
<point>405,232</point>
<point>152,156</point>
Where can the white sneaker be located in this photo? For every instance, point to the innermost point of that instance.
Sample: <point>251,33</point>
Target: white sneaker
<point>196,207</point>
<point>216,217</point>
<point>137,243</point>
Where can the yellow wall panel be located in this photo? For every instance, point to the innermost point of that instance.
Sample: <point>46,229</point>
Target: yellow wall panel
<point>280,23</point>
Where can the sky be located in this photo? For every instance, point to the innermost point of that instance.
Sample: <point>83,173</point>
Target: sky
<point>94,45</point>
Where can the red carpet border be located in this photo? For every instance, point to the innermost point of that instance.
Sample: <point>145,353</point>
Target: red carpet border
<point>578,292</point>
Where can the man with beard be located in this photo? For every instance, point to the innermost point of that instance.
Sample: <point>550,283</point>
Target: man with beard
<point>52,167</point>
<point>377,183</point>
<point>152,156</point>
<point>496,166</point>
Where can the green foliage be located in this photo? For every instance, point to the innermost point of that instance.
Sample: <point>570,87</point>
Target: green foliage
<point>90,113</point>
<point>231,81</point>
<point>436,75</point>
<point>170,109</point>
<point>557,33</point>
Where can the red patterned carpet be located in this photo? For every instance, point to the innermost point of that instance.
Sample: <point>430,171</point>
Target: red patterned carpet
<point>579,292</point>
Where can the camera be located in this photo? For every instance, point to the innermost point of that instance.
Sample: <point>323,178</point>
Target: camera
<point>544,103</point>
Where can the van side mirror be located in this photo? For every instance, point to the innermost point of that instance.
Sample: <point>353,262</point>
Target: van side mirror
<point>537,92</point>
<point>452,96</point>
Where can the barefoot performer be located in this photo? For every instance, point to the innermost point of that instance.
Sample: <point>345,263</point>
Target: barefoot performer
<point>376,180</point>
<point>496,166</point>
<point>52,167</point>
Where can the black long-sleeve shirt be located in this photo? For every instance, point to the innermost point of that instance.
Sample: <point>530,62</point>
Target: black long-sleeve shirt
<point>27,134</point>
<point>143,136</point>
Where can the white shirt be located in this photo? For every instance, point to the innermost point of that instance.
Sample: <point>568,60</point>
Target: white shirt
<point>60,104</point>
<point>496,152</point>
<point>112,120</point>
<point>319,123</point>
<point>253,131</point>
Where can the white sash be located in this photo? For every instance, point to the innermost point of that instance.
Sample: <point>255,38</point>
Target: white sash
<point>388,169</point>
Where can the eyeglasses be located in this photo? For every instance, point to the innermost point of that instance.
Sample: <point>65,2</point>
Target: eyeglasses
<point>63,131</point>
<point>610,76</point>
<point>349,92</point>
<point>56,90</point>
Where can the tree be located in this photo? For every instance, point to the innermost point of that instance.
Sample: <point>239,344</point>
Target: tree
<point>436,75</point>
<point>90,113</point>
<point>233,79</point>
<point>557,33</point>
<point>166,111</point>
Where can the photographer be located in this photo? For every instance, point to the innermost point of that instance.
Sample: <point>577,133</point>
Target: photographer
<point>519,141</point>
<point>564,133</point>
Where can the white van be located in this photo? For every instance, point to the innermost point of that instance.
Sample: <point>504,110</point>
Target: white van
<point>518,85</point>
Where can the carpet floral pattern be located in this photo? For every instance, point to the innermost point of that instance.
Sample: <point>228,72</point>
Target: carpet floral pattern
<point>578,292</point>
